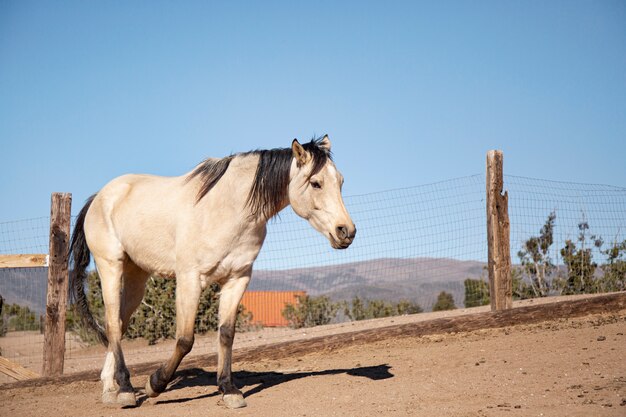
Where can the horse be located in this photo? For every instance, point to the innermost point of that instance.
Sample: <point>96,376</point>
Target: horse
<point>206,226</point>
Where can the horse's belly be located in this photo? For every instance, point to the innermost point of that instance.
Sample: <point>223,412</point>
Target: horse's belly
<point>158,261</point>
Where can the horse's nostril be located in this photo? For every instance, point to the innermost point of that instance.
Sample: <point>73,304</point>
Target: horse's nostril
<point>342,232</point>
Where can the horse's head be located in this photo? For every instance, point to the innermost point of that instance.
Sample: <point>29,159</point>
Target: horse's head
<point>315,192</point>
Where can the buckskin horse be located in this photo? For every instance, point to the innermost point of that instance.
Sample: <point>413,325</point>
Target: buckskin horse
<point>203,227</point>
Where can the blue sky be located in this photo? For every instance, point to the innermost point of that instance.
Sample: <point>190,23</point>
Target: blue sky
<point>410,93</point>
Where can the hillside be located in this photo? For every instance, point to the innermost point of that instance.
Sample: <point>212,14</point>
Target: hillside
<point>25,286</point>
<point>419,279</point>
<point>391,279</point>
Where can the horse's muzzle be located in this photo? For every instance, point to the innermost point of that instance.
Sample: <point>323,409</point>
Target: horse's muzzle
<point>344,236</point>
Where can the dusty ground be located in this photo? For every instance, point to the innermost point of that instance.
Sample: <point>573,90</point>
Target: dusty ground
<point>572,367</point>
<point>26,348</point>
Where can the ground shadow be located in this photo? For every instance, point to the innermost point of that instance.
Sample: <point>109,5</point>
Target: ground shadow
<point>259,381</point>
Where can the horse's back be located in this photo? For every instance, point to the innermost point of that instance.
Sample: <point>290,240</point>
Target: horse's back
<point>133,195</point>
<point>135,215</point>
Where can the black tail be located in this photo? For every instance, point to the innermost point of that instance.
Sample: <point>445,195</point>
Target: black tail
<point>79,259</point>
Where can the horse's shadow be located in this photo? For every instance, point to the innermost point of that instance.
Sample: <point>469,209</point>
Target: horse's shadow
<point>259,381</point>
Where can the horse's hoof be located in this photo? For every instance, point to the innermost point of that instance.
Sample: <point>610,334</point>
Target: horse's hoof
<point>109,397</point>
<point>234,400</point>
<point>127,399</point>
<point>149,391</point>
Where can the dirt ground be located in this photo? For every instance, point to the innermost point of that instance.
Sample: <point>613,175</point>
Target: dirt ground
<point>567,367</point>
<point>26,348</point>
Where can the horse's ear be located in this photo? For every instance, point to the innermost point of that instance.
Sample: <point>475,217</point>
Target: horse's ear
<point>325,143</point>
<point>301,156</point>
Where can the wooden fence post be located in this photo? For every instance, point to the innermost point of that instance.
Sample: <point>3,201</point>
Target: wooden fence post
<point>56,301</point>
<point>498,235</point>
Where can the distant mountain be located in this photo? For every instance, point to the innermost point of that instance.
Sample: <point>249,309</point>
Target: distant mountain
<point>392,279</point>
<point>25,286</point>
<point>419,279</point>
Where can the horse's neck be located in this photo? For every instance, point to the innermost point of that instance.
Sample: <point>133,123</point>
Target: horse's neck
<point>233,191</point>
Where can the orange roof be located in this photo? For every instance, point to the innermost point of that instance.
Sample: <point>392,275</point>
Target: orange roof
<point>267,306</point>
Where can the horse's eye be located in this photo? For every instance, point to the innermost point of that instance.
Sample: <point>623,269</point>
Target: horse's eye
<point>315,184</point>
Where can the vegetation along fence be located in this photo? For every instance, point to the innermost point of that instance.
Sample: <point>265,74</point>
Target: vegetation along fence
<point>423,248</point>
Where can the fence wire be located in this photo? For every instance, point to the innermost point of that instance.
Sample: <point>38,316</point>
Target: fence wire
<point>412,244</point>
<point>602,207</point>
<point>24,292</point>
<point>25,286</point>
<point>25,236</point>
<point>590,217</point>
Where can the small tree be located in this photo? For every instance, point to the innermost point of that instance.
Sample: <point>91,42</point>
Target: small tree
<point>476,292</point>
<point>17,318</point>
<point>445,301</point>
<point>310,311</point>
<point>356,311</point>
<point>372,309</point>
<point>155,318</point>
<point>380,308</point>
<point>535,258</point>
<point>407,307</point>
<point>521,289</point>
<point>580,266</point>
<point>614,269</point>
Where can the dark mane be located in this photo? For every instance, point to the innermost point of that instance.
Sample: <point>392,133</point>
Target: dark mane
<point>270,186</point>
<point>210,172</point>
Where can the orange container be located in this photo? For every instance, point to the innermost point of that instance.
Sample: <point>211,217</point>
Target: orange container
<point>267,306</point>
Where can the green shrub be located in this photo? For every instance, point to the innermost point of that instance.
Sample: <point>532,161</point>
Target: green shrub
<point>310,311</point>
<point>445,301</point>
<point>315,311</point>
<point>15,317</point>
<point>373,309</point>
<point>155,318</point>
<point>476,292</point>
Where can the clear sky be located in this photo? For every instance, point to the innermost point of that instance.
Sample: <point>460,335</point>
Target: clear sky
<point>409,92</point>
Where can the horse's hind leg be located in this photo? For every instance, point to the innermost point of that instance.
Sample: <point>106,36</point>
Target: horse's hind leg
<point>114,370</point>
<point>187,298</point>
<point>230,296</point>
<point>133,289</point>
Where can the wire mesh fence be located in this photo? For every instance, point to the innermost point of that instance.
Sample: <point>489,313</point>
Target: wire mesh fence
<point>412,245</point>
<point>580,225</point>
<point>25,236</point>
<point>24,293</point>
<point>603,207</point>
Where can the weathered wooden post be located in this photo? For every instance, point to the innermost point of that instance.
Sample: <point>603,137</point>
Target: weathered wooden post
<point>498,235</point>
<point>56,302</point>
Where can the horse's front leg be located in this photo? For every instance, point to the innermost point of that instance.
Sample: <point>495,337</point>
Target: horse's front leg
<point>188,292</point>
<point>230,296</point>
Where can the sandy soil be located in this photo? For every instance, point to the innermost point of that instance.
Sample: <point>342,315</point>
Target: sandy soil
<point>26,348</point>
<point>568,367</point>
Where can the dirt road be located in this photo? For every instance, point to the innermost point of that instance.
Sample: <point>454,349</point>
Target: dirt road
<point>569,367</point>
